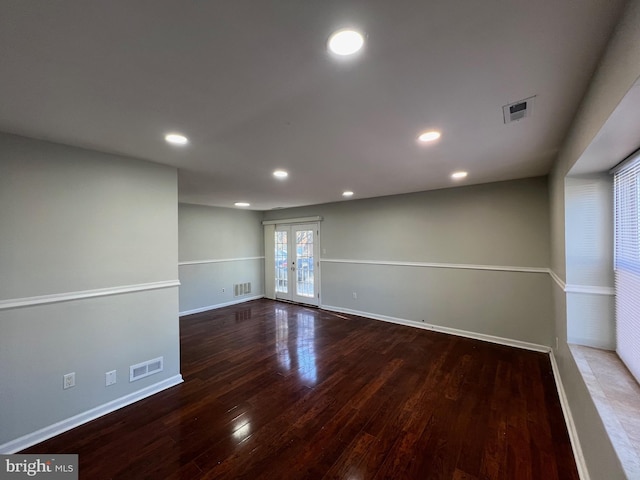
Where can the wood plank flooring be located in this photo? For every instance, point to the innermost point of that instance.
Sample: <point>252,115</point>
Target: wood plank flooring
<point>280,391</point>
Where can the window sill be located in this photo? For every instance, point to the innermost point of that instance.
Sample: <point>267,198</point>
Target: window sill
<point>616,395</point>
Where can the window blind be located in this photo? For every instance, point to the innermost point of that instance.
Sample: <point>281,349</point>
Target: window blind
<point>627,262</point>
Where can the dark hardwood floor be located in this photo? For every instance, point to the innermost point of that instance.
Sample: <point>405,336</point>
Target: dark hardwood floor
<point>280,391</point>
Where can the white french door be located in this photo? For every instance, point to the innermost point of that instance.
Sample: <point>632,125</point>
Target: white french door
<point>296,263</point>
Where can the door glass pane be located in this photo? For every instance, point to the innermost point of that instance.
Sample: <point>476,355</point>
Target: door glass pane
<point>281,263</point>
<point>304,263</point>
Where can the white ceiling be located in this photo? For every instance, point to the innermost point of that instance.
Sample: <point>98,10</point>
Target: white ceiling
<point>253,87</point>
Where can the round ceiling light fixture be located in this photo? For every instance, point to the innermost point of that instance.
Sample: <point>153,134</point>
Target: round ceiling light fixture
<point>345,42</point>
<point>459,175</point>
<point>242,204</point>
<point>347,193</point>
<point>429,136</point>
<point>280,174</point>
<point>176,139</point>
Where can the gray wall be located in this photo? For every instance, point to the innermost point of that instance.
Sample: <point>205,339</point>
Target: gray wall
<point>617,72</point>
<point>502,224</point>
<point>227,245</point>
<point>76,221</point>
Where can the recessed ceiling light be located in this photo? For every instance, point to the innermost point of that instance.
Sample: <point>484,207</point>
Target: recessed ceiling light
<point>345,42</point>
<point>176,139</point>
<point>242,204</point>
<point>280,174</point>
<point>348,193</point>
<point>458,175</point>
<point>429,136</point>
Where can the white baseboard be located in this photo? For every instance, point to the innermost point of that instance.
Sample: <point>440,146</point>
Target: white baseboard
<point>583,472</point>
<point>60,427</point>
<point>436,328</point>
<point>219,305</point>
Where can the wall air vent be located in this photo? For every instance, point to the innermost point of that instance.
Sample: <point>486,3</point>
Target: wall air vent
<point>144,369</point>
<point>240,289</point>
<point>518,110</point>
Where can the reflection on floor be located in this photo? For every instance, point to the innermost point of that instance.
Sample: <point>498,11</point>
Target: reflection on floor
<point>302,357</point>
<point>280,391</point>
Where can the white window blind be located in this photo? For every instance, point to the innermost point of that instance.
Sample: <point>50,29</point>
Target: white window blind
<point>627,262</point>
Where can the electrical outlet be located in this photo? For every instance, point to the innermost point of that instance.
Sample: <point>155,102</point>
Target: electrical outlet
<point>110,378</point>
<point>355,295</point>
<point>222,289</point>
<point>69,380</point>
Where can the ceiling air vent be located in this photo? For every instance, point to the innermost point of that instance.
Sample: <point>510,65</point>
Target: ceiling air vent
<point>518,110</point>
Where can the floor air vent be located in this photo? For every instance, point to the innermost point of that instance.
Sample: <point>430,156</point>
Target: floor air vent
<point>518,110</point>
<point>144,369</point>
